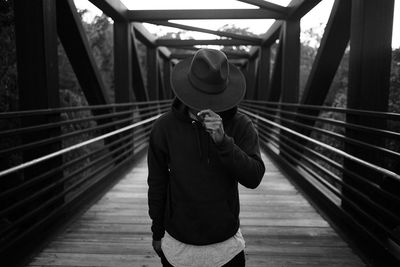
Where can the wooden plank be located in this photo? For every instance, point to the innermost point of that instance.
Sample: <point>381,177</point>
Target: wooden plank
<point>151,15</point>
<point>278,228</point>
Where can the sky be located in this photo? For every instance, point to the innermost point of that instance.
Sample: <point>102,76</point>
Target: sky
<point>316,18</point>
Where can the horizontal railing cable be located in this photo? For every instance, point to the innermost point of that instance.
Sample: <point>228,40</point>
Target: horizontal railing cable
<point>378,206</point>
<point>387,133</point>
<point>333,189</point>
<point>338,136</point>
<point>55,198</point>
<point>68,149</point>
<point>74,121</point>
<point>364,163</point>
<point>110,107</point>
<point>70,163</point>
<point>380,114</point>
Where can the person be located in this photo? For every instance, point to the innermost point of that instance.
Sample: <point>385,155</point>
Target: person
<point>198,153</point>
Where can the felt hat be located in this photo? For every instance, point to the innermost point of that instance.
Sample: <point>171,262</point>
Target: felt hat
<point>208,81</point>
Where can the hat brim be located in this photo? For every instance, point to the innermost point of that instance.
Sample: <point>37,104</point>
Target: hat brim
<point>198,100</point>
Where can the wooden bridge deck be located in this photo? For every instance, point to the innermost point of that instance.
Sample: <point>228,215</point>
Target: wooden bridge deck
<point>280,228</point>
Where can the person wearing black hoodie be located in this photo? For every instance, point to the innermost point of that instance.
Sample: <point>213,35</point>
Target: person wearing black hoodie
<point>198,153</point>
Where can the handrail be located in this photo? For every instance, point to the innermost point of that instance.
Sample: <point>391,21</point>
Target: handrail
<point>387,115</point>
<point>372,166</point>
<point>68,149</point>
<point>78,108</point>
<point>337,122</point>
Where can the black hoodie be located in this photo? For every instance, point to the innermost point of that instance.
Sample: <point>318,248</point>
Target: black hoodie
<point>193,182</point>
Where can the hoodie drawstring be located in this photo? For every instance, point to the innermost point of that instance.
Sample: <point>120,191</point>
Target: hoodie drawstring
<point>198,142</point>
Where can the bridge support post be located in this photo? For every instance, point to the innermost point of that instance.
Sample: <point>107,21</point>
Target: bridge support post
<point>152,73</point>
<point>167,78</point>
<point>369,81</point>
<point>123,75</point>
<point>290,70</point>
<point>263,72</point>
<point>251,70</point>
<point>38,88</point>
<point>122,62</point>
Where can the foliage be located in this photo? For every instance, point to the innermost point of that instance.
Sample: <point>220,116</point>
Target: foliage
<point>8,65</point>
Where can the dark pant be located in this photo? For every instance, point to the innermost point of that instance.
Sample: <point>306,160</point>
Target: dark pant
<point>238,261</point>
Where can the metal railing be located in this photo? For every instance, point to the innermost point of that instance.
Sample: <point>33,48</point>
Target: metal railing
<point>50,166</point>
<point>313,141</point>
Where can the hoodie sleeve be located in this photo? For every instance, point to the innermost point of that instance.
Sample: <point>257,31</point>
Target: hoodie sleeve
<point>243,158</point>
<point>157,180</point>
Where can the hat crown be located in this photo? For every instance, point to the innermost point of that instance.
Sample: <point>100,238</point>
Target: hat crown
<point>209,71</point>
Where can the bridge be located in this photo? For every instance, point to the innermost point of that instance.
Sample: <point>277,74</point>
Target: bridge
<point>73,179</point>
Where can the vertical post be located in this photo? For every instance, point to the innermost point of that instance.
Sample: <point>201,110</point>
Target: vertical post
<point>290,61</point>
<point>275,85</point>
<point>290,68</point>
<point>137,76</point>
<point>250,78</point>
<point>369,81</point>
<point>37,64</point>
<point>122,62</point>
<point>152,73</point>
<point>161,87</point>
<point>263,72</point>
<point>123,73</point>
<point>167,78</point>
<point>36,41</point>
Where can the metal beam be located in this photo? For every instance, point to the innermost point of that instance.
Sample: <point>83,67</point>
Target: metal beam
<point>229,54</point>
<point>36,43</point>
<point>137,73</point>
<point>122,62</point>
<point>333,44</point>
<point>272,33</point>
<point>151,15</point>
<point>197,29</point>
<point>152,73</point>
<point>266,5</point>
<point>167,78</point>
<point>143,35</point>
<point>290,61</point>
<point>112,8</point>
<point>191,42</point>
<point>75,43</point>
<point>297,9</point>
<point>274,88</point>
<point>263,72</point>
<point>368,89</point>
<point>250,78</point>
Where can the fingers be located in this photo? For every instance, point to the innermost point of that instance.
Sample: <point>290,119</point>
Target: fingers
<point>206,112</point>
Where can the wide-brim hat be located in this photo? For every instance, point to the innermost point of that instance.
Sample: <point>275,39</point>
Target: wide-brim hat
<point>208,81</point>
